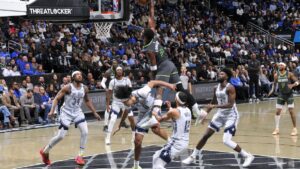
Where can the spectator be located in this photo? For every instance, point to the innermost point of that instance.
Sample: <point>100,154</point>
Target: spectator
<point>28,82</point>
<point>15,72</point>
<point>211,74</point>
<point>51,91</point>
<point>3,86</point>
<point>241,90</point>
<point>40,70</point>
<point>23,89</point>
<point>46,102</point>
<point>11,102</point>
<point>28,71</point>
<point>41,82</point>
<point>203,75</point>
<point>186,83</point>
<point>8,119</point>
<point>264,81</point>
<point>27,103</point>
<point>16,89</point>
<point>253,70</point>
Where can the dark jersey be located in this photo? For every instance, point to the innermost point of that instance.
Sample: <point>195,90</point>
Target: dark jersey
<point>160,53</point>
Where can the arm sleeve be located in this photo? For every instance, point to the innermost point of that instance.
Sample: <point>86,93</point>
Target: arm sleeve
<point>111,86</point>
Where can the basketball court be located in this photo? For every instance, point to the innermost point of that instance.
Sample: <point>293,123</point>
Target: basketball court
<point>20,149</point>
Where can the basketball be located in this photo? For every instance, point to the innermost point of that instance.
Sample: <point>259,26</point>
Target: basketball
<point>143,2</point>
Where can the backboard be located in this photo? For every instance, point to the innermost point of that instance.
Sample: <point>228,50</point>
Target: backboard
<point>70,11</point>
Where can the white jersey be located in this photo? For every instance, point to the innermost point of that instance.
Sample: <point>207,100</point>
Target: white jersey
<point>114,83</point>
<point>222,98</point>
<point>145,99</point>
<point>73,100</point>
<point>181,126</point>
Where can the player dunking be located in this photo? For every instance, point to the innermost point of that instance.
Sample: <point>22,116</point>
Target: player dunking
<point>283,77</point>
<point>162,67</point>
<point>144,101</point>
<point>74,94</point>
<point>226,116</point>
<point>181,122</point>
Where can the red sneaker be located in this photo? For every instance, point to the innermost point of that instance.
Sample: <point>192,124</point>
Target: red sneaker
<point>45,157</point>
<point>79,160</point>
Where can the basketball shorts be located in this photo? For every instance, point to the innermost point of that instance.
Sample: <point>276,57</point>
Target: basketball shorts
<point>67,118</point>
<point>117,106</point>
<point>167,72</point>
<point>285,98</point>
<point>228,120</point>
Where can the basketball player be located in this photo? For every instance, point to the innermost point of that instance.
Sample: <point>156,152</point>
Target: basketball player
<point>108,76</point>
<point>162,68</point>
<point>74,94</point>
<point>283,77</point>
<point>117,104</point>
<point>226,116</point>
<point>143,99</point>
<point>181,120</point>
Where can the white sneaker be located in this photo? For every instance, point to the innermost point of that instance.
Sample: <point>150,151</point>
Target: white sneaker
<point>248,160</point>
<point>189,160</point>
<point>151,122</point>
<point>201,116</point>
<point>137,167</point>
<point>250,100</point>
<point>107,141</point>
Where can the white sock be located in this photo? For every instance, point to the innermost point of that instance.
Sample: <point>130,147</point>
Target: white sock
<point>108,135</point>
<point>136,163</point>
<point>106,116</point>
<point>244,153</point>
<point>195,153</point>
<point>47,149</point>
<point>81,151</point>
<point>277,119</point>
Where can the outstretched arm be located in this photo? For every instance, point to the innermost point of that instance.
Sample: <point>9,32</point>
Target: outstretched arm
<point>89,104</point>
<point>155,83</point>
<point>151,20</point>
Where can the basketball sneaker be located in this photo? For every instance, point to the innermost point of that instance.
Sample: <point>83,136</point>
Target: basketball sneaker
<point>294,132</point>
<point>201,116</point>
<point>248,160</point>
<point>150,123</point>
<point>275,132</point>
<point>45,157</point>
<point>79,160</point>
<point>189,160</point>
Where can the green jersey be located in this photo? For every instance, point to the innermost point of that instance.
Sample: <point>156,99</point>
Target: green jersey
<point>160,53</point>
<point>283,81</point>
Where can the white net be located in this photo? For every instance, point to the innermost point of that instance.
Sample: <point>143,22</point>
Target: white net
<point>103,29</point>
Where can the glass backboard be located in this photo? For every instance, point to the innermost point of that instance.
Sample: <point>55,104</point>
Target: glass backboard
<point>109,10</point>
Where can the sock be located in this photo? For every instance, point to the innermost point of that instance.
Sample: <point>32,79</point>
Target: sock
<point>47,149</point>
<point>81,151</point>
<point>244,153</point>
<point>195,153</point>
<point>106,116</point>
<point>277,119</point>
<point>136,163</point>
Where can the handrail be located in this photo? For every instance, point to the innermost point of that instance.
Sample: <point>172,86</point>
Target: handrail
<point>272,36</point>
<point>13,45</point>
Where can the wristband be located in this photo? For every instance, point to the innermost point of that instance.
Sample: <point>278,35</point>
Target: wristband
<point>153,68</point>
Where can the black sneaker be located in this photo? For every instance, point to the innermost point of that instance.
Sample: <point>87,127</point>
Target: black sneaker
<point>105,128</point>
<point>124,125</point>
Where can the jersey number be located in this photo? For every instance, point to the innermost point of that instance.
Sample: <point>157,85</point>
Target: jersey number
<point>187,126</point>
<point>76,101</point>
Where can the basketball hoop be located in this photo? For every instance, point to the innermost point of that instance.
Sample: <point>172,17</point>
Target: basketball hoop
<point>103,29</point>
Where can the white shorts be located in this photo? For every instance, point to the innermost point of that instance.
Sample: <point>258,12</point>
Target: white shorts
<point>130,113</point>
<point>66,119</point>
<point>171,150</point>
<point>228,120</point>
<point>280,106</point>
<point>117,106</point>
